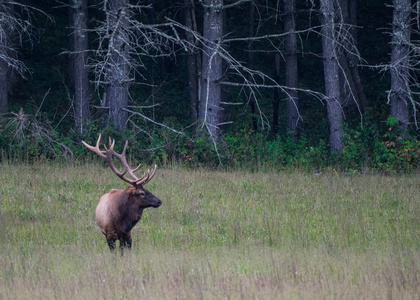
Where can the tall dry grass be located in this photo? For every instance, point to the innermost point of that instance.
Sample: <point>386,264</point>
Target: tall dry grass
<point>218,235</point>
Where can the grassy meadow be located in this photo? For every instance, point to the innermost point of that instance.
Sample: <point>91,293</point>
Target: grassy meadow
<point>218,235</point>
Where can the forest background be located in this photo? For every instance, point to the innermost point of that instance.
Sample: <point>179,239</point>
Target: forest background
<point>307,84</point>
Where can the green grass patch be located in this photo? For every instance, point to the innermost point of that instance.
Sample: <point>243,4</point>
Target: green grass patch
<point>218,235</point>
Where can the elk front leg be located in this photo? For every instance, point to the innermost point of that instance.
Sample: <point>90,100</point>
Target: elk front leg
<point>111,244</point>
<point>125,242</point>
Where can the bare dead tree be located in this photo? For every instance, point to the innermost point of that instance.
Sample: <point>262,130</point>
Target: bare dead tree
<point>404,67</point>
<point>123,41</point>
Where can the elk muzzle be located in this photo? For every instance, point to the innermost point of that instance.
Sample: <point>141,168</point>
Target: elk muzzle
<point>150,200</point>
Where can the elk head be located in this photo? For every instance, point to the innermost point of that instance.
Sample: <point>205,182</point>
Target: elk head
<point>119,210</point>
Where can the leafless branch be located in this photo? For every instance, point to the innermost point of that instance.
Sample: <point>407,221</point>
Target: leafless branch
<point>271,36</point>
<point>239,2</point>
<point>153,121</point>
<point>15,29</point>
<point>140,40</point>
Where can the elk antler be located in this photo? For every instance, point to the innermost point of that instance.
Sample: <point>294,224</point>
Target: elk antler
<point>107,155</point>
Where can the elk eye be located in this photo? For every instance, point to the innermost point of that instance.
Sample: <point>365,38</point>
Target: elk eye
<point>141,193</point>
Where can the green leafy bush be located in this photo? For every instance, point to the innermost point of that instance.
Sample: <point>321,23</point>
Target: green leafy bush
<point>390,149</point>
<point>400,151</point>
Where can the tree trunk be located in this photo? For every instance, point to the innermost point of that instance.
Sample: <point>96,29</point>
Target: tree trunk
<point>4,86</point>
<point>400,92</point>
<point>118,68</point>
<point>191,62</point>
<point>331,76</point>
<point>79,60</point>
<point>353,60</point>
<point>212,67</point>
<point>290,49</point>
<point>6,51</point>
<point>276,95</point>
<point>251,65</point>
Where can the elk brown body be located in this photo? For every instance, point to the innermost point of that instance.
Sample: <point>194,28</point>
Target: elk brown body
<point>119,211</point>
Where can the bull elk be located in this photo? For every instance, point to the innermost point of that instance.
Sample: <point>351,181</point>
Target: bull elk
<point>119,211</point>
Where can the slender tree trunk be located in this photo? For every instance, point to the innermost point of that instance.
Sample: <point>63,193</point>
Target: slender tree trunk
<point>79,60</point>
<point>276,95</point>
<point>400,92</point>
<point>212,67</point>
<point>118,72</point>
<point>290,49</point>
<point>70,44</point>
<point>251,63</point>
<point>191,62</point>
<point>4,87</point>
<point>353,60</point>
<point>331,76</point>
<point>6,49</point>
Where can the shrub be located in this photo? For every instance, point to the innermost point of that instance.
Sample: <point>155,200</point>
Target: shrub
<point>392,150</point>
<point>31,137</point>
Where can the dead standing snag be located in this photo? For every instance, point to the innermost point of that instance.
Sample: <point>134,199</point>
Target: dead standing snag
<point>119,211</point>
